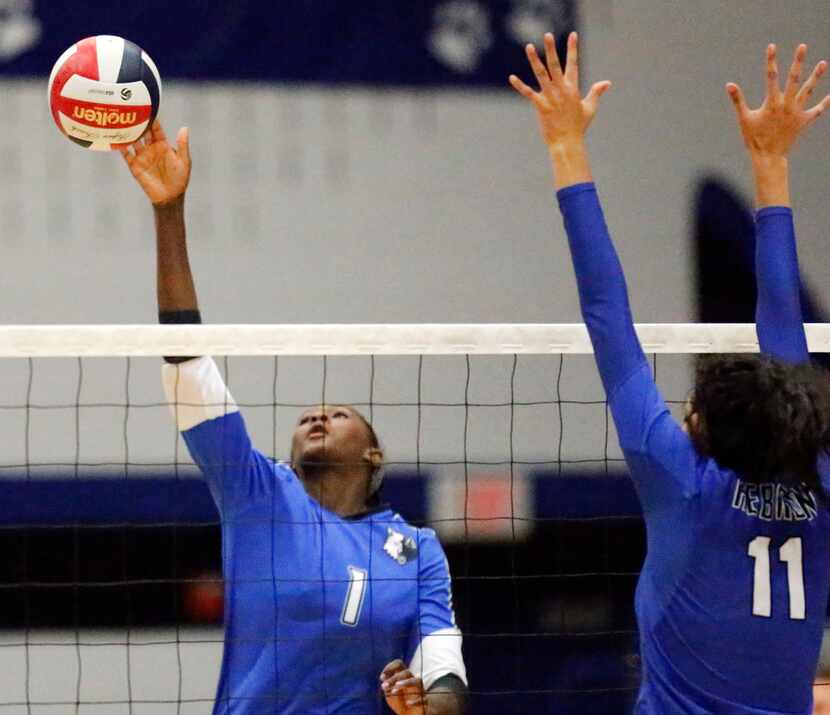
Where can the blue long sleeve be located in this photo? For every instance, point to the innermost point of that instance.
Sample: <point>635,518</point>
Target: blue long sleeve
<point>778,318</point>
<point>603,296</point>
<point>659,454</point>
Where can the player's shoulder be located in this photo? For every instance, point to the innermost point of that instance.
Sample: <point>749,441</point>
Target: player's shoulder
<point>428,542</point>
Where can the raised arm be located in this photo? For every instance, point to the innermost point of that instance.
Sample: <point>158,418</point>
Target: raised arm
<point>658,452</point>
<point>204,410</point>
<point>769,133</point>
<point>564,117</point>
<point>163,172</point>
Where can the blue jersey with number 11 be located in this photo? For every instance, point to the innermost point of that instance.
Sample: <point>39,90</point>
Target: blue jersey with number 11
<point>732,595</point>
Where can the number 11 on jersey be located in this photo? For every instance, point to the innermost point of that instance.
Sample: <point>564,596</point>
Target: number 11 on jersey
<point>789,553</point>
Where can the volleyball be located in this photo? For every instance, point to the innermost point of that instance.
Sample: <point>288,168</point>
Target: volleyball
<point>104,92</point>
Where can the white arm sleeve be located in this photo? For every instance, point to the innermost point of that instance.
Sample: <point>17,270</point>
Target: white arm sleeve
<point>437,655</point>
<point>196,392</point>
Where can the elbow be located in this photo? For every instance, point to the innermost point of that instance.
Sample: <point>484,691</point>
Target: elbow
<point>443,702</point>
<point>448,695</point>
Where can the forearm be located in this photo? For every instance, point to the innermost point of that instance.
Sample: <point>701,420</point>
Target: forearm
<point>175,290</point>
<point>778,316</point>
<point>771,177</point>
<point>174,281</point>
<point>603,296</point>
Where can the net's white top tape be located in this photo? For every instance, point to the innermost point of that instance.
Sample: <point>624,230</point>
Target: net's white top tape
<point>401,339</point>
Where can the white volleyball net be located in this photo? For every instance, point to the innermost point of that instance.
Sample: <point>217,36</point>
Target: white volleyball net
<point>496,436</point>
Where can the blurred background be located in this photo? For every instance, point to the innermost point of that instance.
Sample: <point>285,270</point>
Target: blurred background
<point>366,163</point>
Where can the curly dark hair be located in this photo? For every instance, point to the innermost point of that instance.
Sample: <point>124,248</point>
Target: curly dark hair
<point>763,418</point>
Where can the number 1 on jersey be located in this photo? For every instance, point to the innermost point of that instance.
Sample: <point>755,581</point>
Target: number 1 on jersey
<point>358,579</point>
<point>789,553</point>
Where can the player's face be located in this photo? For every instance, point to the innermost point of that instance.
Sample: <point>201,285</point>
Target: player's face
<point>821,697</point>
<point>333,434</point>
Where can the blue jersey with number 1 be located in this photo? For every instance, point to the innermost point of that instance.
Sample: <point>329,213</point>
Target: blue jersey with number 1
<point>316,605</point>
<point>732,595</point>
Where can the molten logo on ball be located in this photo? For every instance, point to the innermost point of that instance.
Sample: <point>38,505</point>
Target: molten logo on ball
<point>104,117</point>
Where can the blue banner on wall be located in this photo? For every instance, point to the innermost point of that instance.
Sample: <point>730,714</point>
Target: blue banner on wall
<point>114,500</point>
<point>382,42</point>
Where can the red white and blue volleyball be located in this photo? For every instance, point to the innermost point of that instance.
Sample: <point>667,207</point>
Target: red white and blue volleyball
<point>104,92</point>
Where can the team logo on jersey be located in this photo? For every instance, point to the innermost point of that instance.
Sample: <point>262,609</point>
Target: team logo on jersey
<point>399,547</point>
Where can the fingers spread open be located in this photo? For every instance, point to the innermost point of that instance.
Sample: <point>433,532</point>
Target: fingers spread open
<point>592,98</point>
<point>538,68</point>
<point>819,109</point>
<point>129,157</point>
<point>794,75</point>
<point>572,60</point>
<point>521,87</point>
<point>809,86</point>
<point>773,90</point>
<point>552,59</point>
<point>183,144</point>
<point>737,97</point>
<point>157,132</point>
<point>138,147</point>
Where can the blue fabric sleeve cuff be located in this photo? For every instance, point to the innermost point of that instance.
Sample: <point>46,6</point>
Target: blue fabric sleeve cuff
<point>562,194</point>
<point>773,211</point>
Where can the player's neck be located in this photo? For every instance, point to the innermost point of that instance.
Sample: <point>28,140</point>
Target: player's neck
<point>341,490</point>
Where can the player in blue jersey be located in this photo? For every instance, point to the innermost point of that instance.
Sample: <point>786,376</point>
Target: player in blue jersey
<point>732,596</point>
<point>334,604</point>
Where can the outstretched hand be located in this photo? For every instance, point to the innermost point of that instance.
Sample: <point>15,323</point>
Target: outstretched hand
<point>771,130</point>
<point>564,115</point>
<point>163,171</point>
